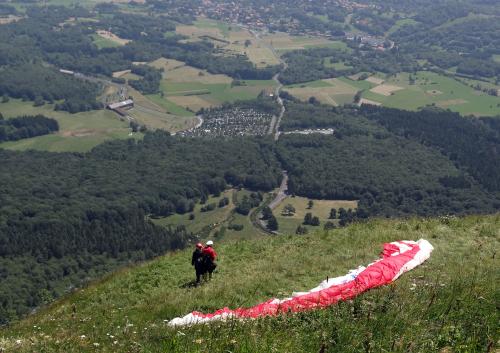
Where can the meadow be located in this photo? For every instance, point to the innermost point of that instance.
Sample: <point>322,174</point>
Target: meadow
<point>231,39</point>
<point>321,209</point>
<point>186,90</point>
<point>434,89</point>
<point>78,132</point>
<point>334,91</point>
<point>447,304</point>
<point>216,223</point>
<point>397,92</point>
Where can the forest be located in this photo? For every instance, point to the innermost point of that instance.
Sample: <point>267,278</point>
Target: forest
<point>395,162</point>
<point>26,126</point>
<point>311,64</point>
<point>58,206</point>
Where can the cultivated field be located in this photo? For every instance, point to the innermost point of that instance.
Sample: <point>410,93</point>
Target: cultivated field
<point>333,91</point>
<point>78,132</point>
<point>232,40</point>
<point>187,89</point>
<point>433,89</point>
<point>320,209</point>
<point>283,42</point>
<point>429,89</point>
<point>148,112</point>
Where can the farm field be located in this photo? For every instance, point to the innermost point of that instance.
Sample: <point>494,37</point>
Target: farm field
<point>429,89</point>
<point>78,132</point>
<point>321,209</point>
<point>433,89</point>
<point>187,90</point>
<point>155,113</point>
<point>231,40</point>
<point>284,42</point>
<point>334,91</point>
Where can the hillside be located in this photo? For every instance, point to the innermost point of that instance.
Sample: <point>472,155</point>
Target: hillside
<point>447,304</point>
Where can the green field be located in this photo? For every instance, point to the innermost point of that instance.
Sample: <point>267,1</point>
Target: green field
<point>207,224</point>
<point>433,89</point>
<point>101,42</point>
<point>78,132</point>
<point>446,305</point>
<point>320,209</point>
<point>334,91</point>
<point>401,23</point>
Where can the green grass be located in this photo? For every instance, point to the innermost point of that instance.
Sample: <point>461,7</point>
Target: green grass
<point>101,42</point>
<point>453,95</point>
<point>320,209</point>
<point>78,132</point>
<point>337,66</point>
<point>216,93</point>
<point>202,219</point>
<point>171,107</point>
<point>207,23</point>
<point>401,23</point>
<point>332,45</point>
<point>312,84</point>
<point>445,305</point>
<point>360,85</point>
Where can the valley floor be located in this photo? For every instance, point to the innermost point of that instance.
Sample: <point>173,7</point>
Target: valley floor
<point>447,304</point>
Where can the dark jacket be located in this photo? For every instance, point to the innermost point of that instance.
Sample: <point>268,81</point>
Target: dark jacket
<point>197,259</point>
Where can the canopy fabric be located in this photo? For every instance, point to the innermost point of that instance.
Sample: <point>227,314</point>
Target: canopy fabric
<point>397,258</point>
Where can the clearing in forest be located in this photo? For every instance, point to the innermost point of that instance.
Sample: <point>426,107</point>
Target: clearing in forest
<point>112,37</point>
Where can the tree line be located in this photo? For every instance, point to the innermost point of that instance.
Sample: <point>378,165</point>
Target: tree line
<point>26,126</point>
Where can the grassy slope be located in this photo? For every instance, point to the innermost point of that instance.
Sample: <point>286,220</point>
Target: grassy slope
<point>78,132</point>
<point>453,95</point>
<point>448,304</point>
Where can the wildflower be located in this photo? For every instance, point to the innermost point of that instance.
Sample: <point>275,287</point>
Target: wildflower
<point>96,344</point>
<point>83,337</point>
<point>199,341</point>
<point>115,342</point>
<point>18,341</point>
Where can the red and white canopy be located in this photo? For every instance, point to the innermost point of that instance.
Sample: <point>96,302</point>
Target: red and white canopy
<point>397,258</point>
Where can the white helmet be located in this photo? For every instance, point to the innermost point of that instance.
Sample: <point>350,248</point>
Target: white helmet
<point>210,243</point>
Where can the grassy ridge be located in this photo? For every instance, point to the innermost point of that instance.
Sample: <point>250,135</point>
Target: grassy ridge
<point>447,304</point>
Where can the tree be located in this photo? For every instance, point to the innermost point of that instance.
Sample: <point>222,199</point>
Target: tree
<point>333,213</point>
<point>315,221</point>
<point>329,225</point>
<point>301,230</point>
<point>308,218</point>
<point>288,210</point>
<point>248,42</point>
<point>5,98</point>
<point>267,213</point>
<point>272,224</point>
<point>310,204</point>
